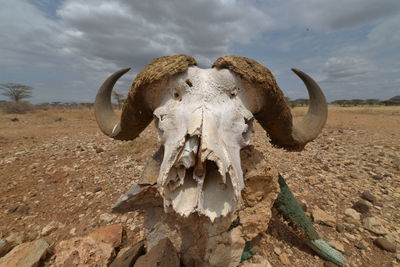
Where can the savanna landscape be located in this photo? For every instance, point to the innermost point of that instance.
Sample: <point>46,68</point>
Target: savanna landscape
<point>60,175</point>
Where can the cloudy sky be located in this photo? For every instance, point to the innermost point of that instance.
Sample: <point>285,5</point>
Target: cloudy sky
<point>66,48</point>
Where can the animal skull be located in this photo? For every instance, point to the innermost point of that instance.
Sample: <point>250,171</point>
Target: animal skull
<point>204,117</point>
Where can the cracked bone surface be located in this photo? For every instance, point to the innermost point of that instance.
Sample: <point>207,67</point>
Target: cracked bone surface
<point>202,138</point>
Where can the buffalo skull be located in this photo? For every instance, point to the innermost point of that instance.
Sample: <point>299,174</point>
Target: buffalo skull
<point>204,117</point>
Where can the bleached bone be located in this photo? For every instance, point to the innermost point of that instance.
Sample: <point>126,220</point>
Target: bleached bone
<point>204,117</point>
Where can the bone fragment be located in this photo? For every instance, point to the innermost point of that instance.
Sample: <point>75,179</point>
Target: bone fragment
<point>188,156</point>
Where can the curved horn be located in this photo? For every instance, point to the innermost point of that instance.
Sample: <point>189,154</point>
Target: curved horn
<point>135,116</point>
<point>143,97</point>
<point>270,108</point>
<point>311,125</point>
<point>107,120</point>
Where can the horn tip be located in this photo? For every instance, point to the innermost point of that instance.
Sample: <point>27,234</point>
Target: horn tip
<point>297,71</point>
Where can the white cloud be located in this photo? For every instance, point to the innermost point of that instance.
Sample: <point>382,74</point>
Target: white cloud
<point>89,39</point>
<point>66,50</point>
<point>345,68</point>
<point>385,36</point>
<point>25,34</point>
<point>326,15</point>
<point>127,32</point>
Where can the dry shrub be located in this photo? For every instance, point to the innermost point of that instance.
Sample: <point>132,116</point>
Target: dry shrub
<point>370,110</point>
<point>17,108</point>
<point>68,114</point>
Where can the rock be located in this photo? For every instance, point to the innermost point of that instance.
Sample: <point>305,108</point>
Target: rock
<point>368,196</point>
<point>128,256</point>
<point>162,254</point>
<point>339,228</point>
<point>78,187</point>
<point>384,244</point>
<point>350,229</point>
<point>83,251</point>
<point>97,189</point>
<point>351,221</point>
<point>13,208</point>
<point>352,213</point>
<point>227,247</point>
<point>19,208</point>
<point>259,196</point>
<point>336,244</point>
<point>360,246</point>
<point>303,205</point>
<point>137,196</point>
<point>14,119</point>
<point>361,206</point>
<point>374,226</point>
<point>325,167</point>
<point>16,238</point>
<point>99,150</point>
<point>111,235</point>
<point>26,254</point>
<point>277,251</point>
<point>261,263</point>
<point>377,177</point>
<point>284,259</point>
<point>329,264</point>
<point>5,247</point>
<point>106,217</point>
<point>396,163</point>
<point>49,228</point>
<point>72,231</point>
<point>152,168</point>
<point>257,258</point>
<point>96,249</point>
<point>321,217</point>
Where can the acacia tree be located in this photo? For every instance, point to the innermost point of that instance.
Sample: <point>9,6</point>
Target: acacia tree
<point>120,98</point>
<point>16,91</point>
<point>372,102</point>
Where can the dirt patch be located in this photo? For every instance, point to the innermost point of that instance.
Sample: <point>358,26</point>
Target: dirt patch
<point>65,170</point>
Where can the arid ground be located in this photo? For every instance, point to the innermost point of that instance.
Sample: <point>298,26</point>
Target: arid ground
<point>58,169</point>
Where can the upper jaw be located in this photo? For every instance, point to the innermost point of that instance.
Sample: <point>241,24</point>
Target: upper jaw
<point>202,173</point>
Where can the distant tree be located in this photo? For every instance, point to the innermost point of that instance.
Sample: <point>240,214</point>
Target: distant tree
<point>302,102</point>
<point>357,102</point>
<point>340,102</point>
<point>391,102</point>
<point>290,103</point>
<point>86,105</point>
<point>372,102</point>
<point>119,98</point>
<point>15,91</point>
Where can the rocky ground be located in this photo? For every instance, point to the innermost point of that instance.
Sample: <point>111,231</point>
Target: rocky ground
<point>59,176</point>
